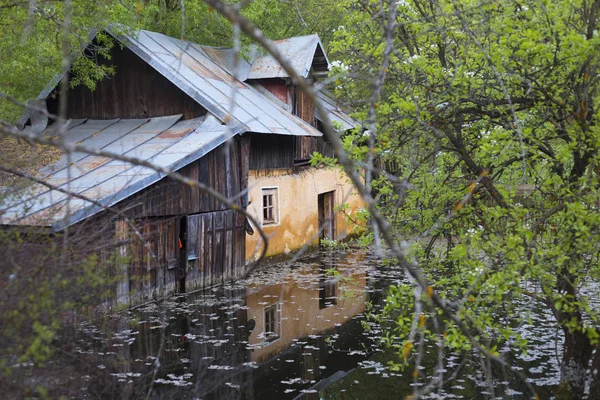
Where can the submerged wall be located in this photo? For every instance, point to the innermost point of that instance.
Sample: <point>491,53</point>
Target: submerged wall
<point>296,210</point>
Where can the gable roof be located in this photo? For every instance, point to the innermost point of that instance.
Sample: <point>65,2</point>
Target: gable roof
<point>304,53</point>
<point>187,65</point>
<point>166,142</point>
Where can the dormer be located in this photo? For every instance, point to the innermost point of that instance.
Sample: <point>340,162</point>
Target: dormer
<point>308,58</point>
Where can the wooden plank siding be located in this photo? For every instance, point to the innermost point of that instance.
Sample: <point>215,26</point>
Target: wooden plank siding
<point>216,246</point>
<point>188,236</point>
<point>270,152</point>
<point>136,90</point>
<point>221,169</point>
<point>278,87</point>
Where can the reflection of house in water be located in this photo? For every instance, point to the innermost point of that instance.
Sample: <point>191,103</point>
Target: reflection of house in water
<point>292,310</point>
<point>243,343</point>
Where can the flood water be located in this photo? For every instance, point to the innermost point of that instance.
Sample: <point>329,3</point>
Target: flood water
<point>291,330</point>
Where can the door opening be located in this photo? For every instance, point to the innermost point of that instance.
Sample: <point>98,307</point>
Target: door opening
<point>327,215</point>
<point>183,259</point>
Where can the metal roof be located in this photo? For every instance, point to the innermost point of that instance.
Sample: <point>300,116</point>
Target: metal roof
<point>206,75</point>
<point>335,113</point>
<point>303,53</point>
<point>164,141</point>
<point>191,69</point>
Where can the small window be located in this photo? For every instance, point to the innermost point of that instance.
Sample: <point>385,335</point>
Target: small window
<point>273,322</point>
<point>270,206</point>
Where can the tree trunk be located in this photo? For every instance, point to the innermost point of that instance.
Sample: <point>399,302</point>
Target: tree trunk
<point>576,356</point>
<point>577,349</point>
<point>595,377</point>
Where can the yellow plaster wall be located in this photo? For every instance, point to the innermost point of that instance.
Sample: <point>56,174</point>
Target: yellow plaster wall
<point>298,206</point>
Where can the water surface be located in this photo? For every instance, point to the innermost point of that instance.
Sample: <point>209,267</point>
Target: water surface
<point>291,330</point>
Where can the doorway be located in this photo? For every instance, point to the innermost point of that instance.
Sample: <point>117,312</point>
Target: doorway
<point>327,215</point>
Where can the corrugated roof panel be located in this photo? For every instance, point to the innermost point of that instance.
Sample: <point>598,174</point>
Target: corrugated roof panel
<point>298,51</point>
<point>219,85</point>
<point>179,130</point>
<point>212,86</point>
<point>95,177</point>
<point>110,181</point>
<point>148,149</point>
<point>225,58</point>
<point>158,124</point>
<point>137,170</point>
<point>44,217</point>
<point>335,113</point>
<point>111,186</point>
<point>40,202</point>
<point>114,132</point>
<point>87,129</point>
<point>77,134</point>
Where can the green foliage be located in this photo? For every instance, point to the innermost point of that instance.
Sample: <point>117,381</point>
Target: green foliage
<point>331,244</point>
<point>488,120</point>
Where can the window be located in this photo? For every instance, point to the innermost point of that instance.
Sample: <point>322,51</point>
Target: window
<point>270,206</point>
<point>272,322</point>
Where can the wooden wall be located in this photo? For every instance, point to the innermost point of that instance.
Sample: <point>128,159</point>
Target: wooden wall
<point>278,87</point>
<point>224,169</point>
<point>135,91</point>
<point>208,250</point>
<point>303,107</point>
<point>187,235</point>
<point>278,151</point>
<point>215,247</point>
<point>271,151</point>
<point>268,152</point>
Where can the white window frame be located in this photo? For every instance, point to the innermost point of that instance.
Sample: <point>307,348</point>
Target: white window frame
<point>270,190</point>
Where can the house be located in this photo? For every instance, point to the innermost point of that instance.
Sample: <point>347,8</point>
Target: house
<point>179,105</point>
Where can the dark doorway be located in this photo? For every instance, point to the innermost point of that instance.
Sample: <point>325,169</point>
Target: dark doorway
<point>327,215</point>
<point>183,249</point>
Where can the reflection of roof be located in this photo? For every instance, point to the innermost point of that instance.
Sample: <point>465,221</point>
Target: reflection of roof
<point>206,79</point>
<point>164,141</point>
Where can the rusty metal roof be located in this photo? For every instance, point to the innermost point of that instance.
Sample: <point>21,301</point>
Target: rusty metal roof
<point>164,141</point>
<point>336,114</point>
<point>304,53</point>
<point>207,80</point>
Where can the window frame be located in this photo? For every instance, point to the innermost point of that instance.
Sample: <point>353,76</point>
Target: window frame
<point>277,314</point>
<point>274,192</point>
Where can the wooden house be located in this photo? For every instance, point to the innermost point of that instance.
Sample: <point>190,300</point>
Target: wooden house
<point>178,105</point>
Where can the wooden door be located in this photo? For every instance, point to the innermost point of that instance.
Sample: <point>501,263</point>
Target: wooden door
<point>215,246</point>
<point>327,215</point>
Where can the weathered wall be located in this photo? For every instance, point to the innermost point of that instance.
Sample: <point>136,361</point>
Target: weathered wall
<point>298,206</point>
<point>190,234</point>
<point>223,169</point>
<point>135,91</point>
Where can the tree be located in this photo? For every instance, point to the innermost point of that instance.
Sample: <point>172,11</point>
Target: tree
<point>488,119</point>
